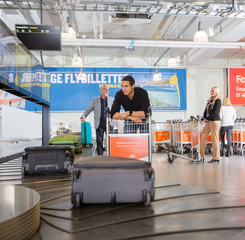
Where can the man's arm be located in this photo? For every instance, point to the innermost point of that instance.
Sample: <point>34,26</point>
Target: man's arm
<point>138,114</point>
<point>87,111</point>
<point>115,109</point>
<point>145,103</point>
<point>131,114</point>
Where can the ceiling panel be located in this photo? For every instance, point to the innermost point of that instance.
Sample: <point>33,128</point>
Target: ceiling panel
<point>158,21</point>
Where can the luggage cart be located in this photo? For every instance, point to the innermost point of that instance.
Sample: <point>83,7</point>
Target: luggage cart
<point>128,139</point>
<point>235,136</point>
<point>181,136</point>
<point>194,154</point>
<point>239,137</point>
<point>161,135</point>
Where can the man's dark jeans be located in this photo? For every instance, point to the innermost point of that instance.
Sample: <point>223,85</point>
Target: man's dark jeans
<point>227,130</point>
<point>100,136</point>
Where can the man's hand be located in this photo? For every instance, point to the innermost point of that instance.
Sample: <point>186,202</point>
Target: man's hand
<point>124,115</point>
<point>135,119</point>
<point>121,116</point>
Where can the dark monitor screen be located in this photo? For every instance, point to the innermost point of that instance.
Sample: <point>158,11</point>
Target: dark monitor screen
<point>39,37</point>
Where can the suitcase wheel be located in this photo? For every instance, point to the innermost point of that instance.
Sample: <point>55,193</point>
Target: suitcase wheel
<point>147,198</point>
<point>152,195</point>
<point>77,199</point>
<point>23,170</point>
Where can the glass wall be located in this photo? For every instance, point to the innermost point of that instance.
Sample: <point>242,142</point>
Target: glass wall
<point>20,72</point>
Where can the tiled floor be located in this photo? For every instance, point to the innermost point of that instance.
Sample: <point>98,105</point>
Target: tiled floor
<point>227,177</point>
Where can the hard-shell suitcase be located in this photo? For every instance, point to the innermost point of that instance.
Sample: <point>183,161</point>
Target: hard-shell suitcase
<point>107,179</point>
<point>47,159</point>
<point>86,133</point>
<point>72,140</point>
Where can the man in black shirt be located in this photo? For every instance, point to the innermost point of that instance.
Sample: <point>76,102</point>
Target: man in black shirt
<point>134,100</point>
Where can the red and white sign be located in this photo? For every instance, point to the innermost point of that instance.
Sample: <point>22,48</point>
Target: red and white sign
<point>129,147</point>
<point>237,86</point>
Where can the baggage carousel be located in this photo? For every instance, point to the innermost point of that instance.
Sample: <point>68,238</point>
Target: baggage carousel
<point>178,212</point>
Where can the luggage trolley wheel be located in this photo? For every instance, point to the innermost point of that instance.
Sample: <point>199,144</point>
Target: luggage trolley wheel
<point>201,160</point>
<point>170,158</point>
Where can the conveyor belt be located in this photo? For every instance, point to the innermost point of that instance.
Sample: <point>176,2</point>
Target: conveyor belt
<point>178,212</point>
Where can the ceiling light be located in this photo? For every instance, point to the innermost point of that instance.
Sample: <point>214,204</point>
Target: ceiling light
<point>82,76</point>
<point>200,36</point>
<point>70,35</point>
<point>157,76</point>
<point>172,62</point>
<point>130,47</point>
<point>211,32</point>
<point>77,61</point>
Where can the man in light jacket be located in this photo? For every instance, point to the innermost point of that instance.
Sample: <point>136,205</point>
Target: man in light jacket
<point>99,105</point>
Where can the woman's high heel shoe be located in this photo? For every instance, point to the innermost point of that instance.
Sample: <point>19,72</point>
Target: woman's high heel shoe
<point>228,153</point>
<point>213,161</point>
<point>222,152</point>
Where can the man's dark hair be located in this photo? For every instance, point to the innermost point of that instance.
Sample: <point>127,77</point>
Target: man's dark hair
<point>130,79</point>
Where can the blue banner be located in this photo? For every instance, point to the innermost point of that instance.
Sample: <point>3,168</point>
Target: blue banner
<point>70,91</point>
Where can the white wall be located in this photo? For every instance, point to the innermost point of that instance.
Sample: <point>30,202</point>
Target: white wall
<point>17,123</point>
<point>199,83</point>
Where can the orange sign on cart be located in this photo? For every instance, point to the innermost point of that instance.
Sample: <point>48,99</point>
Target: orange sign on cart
<point>161,136</point>
<point>130,147</point>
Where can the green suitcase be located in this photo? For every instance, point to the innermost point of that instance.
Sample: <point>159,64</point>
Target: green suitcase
<point>72,140</point>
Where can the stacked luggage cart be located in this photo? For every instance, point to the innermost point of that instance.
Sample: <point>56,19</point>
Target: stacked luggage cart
<point>162,135</point>
<point>180,137</point>
<point>177,137</point>
<point>238,137</point>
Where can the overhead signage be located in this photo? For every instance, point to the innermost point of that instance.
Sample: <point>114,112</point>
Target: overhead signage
<point>236,83</point>
<point>71,91</point>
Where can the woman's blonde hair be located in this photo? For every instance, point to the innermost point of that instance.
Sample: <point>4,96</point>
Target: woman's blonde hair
<point>226,102</point>
<point>216,90</point>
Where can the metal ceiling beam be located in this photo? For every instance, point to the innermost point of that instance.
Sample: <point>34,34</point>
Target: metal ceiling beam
<point>177,38</point>
<point>152,44</point>
<point>187,8</point>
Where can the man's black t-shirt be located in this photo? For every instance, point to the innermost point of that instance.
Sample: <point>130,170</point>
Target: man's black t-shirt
<point>140,101</point>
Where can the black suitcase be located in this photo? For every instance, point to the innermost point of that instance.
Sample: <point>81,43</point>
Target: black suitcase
<point>107,179</point>
<point>47,159</point>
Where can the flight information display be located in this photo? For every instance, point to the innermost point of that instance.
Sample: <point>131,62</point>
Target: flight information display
<point>40,37</point>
